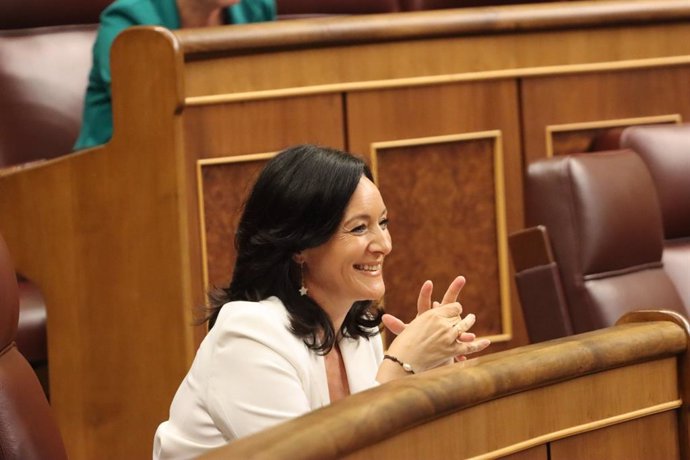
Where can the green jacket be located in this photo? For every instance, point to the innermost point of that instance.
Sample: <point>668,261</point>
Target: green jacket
<point>97,121</point>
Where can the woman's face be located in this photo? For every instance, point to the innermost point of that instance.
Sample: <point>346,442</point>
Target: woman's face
<point>349,266</point>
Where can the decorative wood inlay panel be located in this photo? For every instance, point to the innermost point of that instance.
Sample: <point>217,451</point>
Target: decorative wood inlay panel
<point>447,110</point>
<point>445,197</point>
<point>224,184</point>
<point>607,96</point>
<point>577,137</point>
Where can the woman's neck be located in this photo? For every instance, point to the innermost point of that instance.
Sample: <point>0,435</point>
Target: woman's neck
<point>195,13</point>
<point>336,309</point>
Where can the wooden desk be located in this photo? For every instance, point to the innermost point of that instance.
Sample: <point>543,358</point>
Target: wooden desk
<point>617,393</point>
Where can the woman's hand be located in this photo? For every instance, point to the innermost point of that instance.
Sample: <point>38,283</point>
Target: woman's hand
<point>396,326</point>
<point>437,334</point>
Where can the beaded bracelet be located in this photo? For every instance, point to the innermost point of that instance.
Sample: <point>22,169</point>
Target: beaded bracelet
<point>406,367</point>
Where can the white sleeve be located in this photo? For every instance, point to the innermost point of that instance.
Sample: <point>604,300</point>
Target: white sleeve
<point>259,373</point>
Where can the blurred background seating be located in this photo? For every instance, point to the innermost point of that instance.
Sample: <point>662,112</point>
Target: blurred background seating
<point>604,223</point>
<point>665,150</point>
<point>27,428</point>
<point>45,57</point>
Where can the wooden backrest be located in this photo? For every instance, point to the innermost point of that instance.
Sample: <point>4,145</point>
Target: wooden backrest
<point>558,400</point>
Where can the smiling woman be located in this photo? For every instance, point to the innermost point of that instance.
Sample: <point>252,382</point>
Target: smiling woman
<point>298,326</point>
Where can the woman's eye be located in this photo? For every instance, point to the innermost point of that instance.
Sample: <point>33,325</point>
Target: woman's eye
<point>384,223</point>
<point>359,229</point>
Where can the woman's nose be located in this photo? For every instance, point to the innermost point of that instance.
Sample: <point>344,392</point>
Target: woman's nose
<point>382,242</point>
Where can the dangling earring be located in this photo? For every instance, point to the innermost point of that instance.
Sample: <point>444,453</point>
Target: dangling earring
<point>302,289</point>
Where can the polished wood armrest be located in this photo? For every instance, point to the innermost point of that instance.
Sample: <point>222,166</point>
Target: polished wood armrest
<point>549,393</point>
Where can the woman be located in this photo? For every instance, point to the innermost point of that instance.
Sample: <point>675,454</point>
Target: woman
<point>298,326</point>
<point>97,120</point>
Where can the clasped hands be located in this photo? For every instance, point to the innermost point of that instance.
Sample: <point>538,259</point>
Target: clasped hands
<point>438,334</point>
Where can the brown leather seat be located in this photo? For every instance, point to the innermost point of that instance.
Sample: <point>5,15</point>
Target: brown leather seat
<point>27,428</point>
<point>602,214</point>
<point>24,14</point>
<point>43,77</point>
<point>665,149</point>
<point>31,333</point>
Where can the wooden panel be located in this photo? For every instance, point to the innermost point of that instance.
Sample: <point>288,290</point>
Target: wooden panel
<point>535,453</point>
<point>579,137</point>
<point>600,97</point>
<point>683,371</point>
<point>434,188</point>
<point>263,126</point>
<point>225,186</point>
<point>655,436</point>
<point>416,57</point>
<point>429,183</point>
<point>230,136</point>
<point>514,423</point>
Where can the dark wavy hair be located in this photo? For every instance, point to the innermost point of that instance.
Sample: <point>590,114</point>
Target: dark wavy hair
<point>297,202</point>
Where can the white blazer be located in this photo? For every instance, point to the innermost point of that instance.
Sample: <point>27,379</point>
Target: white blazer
<point>250,373</point>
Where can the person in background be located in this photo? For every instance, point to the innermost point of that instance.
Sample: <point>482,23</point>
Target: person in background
<point>97,120</point>
<point>298,326</point>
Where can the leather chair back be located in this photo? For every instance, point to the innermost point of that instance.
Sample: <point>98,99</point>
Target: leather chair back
<point>602,214</point>
<point>665,150</point>
<point>24,14</point>
<point>43,78</point>
<point>27,428</point>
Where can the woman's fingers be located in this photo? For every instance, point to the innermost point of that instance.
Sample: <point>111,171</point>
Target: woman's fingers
<point>464,324</point>
<point>467,348</point>
<point>466,337</point>
<point>451,311</point>
<point>453,290</point>
<point>424,299</point>
<point>393,324</point>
